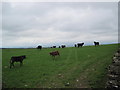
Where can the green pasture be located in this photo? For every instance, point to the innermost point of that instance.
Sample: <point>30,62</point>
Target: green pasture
<point>75,67</point>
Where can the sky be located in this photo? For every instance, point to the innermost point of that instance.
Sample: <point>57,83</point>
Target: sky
<point>29,24</point>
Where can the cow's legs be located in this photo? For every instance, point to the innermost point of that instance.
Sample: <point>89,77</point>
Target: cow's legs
<point>11,64</point>
<point>21,63</point>
<point>53,57</point>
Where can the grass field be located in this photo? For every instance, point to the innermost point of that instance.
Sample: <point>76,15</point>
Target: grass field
<point>74,68</point>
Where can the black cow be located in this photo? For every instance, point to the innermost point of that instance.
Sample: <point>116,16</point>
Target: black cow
<point>16,59</point>
<point>55,53</point>
<point>80,44</point>
<point>75,45</point>
<point>54,46</point>
<point>39,47</point>
<point>63,46</point>
<point>96,43</point>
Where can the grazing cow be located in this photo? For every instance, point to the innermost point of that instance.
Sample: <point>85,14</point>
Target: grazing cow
<point>55,53</point>
<point>59,47</point>
<point>63,46</point>
<point>96,43</point>
<point>80,44</point>
<point>54,46</point>
<point>39,47</point>
<point>16,59</point>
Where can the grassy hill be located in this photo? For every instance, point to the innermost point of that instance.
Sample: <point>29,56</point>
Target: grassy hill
<point>74,68</point>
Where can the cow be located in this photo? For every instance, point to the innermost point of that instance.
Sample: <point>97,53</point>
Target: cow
<point>63,46</point>
<point>17,59</point>
<point>96,43</point>
<point>54,46</point>
<point>80,44</point>
<point>55,53</point>
<point>39,47</point>
<point>75,45</point>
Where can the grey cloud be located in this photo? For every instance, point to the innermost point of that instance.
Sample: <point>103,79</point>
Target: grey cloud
<point>72,22</point>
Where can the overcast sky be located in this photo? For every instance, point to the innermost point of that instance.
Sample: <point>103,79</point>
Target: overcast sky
<point>30,24</point>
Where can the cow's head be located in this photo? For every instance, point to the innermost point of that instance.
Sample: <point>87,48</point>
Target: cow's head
<point>24,56</point>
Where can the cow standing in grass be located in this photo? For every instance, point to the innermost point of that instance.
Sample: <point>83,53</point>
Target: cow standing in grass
<point>96,43</point>
<point>75,45</point>
<point>55,53</point>
<point>63,46</point>
<point>17,59</point>
<point>39,47</point>
<point>80,44</point>
<point>54,46</point>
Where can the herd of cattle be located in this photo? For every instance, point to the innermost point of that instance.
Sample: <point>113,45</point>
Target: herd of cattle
<point>55,53</point>
<point>76,45</point>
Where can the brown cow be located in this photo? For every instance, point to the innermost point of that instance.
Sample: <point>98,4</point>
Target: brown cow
<point>55,53</point>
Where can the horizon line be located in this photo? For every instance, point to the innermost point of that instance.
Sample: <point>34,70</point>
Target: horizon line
<point>55,45</point>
